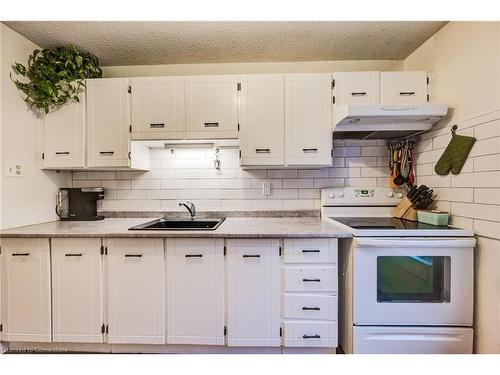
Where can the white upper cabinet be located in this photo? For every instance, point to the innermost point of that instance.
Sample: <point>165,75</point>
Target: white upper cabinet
<point>356,87</point>
<point>77,314</point>
<point>26,289</point>
<point>211,107</point>
<point>158,107</point>
<point>108,122</point>
<point>136,291</point>
<point>195,291</point>
<point>64,136</point>
<point>261,119</point>
<point>308,112</point>
<point>253,290</point>
<point>403,87</point>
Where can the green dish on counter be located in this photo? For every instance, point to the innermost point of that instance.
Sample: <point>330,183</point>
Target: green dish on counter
<point>433,217</point>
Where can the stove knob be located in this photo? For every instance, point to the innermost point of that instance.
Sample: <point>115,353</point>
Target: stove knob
<point>341,194</point>
<point>399,195</point>
<point>331,195</point>
<point>390,194</point>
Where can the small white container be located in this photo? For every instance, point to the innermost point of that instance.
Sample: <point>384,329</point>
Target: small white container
<point>433,217</point>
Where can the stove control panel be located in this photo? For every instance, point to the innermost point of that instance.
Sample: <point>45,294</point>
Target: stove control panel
<point>353,196</point>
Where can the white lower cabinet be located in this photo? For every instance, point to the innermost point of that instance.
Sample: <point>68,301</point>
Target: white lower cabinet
<point>136,291</point>
<point>77,314</point>
<point>26,289</point>
<point>253,292</point>
<point>310,293</point>
<point>195,291</point>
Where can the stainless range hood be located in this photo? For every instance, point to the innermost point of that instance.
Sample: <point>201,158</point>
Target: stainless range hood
<point>376,121</point>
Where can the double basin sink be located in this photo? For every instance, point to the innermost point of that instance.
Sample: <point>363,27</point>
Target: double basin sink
<point>180,224</point>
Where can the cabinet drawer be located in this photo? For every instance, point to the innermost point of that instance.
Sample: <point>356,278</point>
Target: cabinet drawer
<point>311,279</point>
<point>311,250</point>
<point>315,334</point>
<point>318,307</point>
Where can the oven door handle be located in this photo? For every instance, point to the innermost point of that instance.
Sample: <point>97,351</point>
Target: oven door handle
<point>443,243</point>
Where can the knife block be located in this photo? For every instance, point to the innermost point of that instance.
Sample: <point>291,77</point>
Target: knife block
<point>404,210</point>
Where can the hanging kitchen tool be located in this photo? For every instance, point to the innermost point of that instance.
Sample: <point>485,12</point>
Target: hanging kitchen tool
<point>455,154</point>
<point>410,181</point>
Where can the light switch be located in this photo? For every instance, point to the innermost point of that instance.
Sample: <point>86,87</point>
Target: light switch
<point>266,188</point>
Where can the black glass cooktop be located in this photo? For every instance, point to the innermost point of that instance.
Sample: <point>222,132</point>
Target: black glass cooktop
<point>384,223</point>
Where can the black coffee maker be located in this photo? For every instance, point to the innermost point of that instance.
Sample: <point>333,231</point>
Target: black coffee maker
<point>79,204</point>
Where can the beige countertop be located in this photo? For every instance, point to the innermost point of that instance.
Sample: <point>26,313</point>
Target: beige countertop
<point>230,228</point>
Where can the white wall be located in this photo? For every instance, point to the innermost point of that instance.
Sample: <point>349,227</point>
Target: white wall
<point>251,68</point>
<point>465,60</point>
<point>30,199</point>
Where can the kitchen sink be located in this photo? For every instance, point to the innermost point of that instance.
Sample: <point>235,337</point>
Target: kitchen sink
<point>180,224</point>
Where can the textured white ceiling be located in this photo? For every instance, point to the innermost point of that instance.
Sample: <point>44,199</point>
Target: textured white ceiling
<point>147,43</point>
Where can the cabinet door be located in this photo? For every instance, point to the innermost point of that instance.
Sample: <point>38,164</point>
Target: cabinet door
<point>64,136</point>
<point>357,87</point>
<point>158,110</point>
<point>211,107</point>
<point>403,87</point>
<point>136,294</point>
<point>308,111</point>
<point>261,118</point>
<point>108,122</point>
<point>195,291</point>
<point>76,290</point>
<point>26,290</point>
<point>253,292</point>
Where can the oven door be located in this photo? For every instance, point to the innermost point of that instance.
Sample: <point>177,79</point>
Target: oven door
<point>413,281</point>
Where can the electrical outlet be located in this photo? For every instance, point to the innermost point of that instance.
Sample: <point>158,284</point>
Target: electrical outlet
<point>13,170</point>
<point>266,188</point>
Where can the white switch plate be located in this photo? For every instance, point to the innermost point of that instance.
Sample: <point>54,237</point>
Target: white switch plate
<point>266,188</point>
<point>13,170</point>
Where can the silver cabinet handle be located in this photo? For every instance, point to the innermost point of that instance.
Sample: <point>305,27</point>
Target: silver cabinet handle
<point>310,251</point>
<point>62,152</point>
<point>311,337</point>
<point>263,150</point>
<point>211,124</point>
<point>361,93</point>
<point>407,93</point>
<point>193,255</point>
<point>157,126</point>
<point>106,152</point>
<point>133,255</point>
<point>306,150</point>
<point>305,308</point>
<point>311,280</point>
<point>73,255</point>
<point>20,254</point>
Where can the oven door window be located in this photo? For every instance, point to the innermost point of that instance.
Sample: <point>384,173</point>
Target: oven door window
<point>406,279</point>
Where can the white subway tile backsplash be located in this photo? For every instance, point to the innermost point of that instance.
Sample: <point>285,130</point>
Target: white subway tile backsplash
<point>146,205</point>
<point>86,183</point>
<point>298,204</point>
<point>487,163</point>
<point>346,151</point>
<point>284,193</point>
<point>361,162</point>
<point>345,172</point>
<point>267,204</point>
<point>145,184</point>
<point>91,175</point>
<point>477,179</point>
<point>282,173</point>
<point>314,173</point>
<point>298,183</point>
<point>161,194</point>
<point>236,205</point>
<point>131,194</point>
<point>487,130</point>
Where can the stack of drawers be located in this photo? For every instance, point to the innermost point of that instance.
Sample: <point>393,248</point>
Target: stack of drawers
<point>310,298</point>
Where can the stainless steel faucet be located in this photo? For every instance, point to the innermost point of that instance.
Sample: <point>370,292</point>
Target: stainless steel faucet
<point>190,207</point>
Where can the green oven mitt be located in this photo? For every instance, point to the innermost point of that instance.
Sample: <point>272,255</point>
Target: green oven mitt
<point>455,155</point>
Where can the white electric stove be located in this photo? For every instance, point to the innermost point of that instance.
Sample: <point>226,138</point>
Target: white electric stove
<point>406,287</point>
